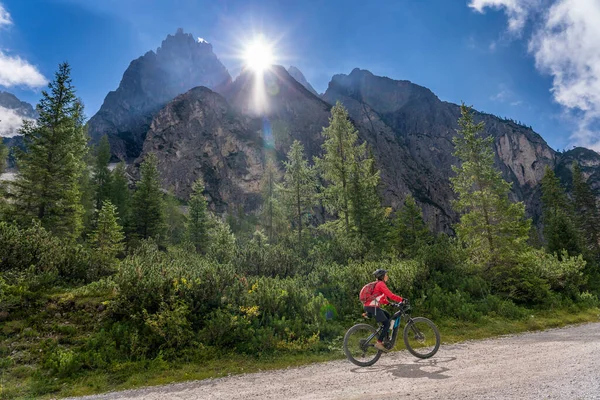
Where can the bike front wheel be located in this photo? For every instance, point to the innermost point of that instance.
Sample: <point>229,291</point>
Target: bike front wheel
<point>421,337</point>
<point>359,345</point>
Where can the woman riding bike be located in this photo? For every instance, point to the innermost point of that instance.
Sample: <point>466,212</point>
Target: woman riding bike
<point>379,296</point>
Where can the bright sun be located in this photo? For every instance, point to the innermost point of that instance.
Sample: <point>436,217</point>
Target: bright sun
<point>259,55</point>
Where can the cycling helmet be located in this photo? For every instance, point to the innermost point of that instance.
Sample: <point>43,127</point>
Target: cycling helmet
<point>380,273</point>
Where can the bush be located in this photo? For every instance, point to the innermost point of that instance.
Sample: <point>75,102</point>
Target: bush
<point>43,256</point>
<point>541,278</point>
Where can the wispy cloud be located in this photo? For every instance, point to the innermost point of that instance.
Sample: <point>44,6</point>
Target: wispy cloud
<point>10,122</point>
<point>505,95</point>
<point>564,45</point>
<point>517,11</point>
<point>5,19</point>
<point>14,70</point>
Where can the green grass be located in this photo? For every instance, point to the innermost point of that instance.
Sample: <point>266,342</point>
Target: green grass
<point>69,319</point>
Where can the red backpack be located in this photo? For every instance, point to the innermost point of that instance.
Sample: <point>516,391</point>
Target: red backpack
<point>366,295</point>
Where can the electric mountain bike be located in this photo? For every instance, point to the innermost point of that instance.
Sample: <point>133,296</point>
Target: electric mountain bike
<point>421,338</point>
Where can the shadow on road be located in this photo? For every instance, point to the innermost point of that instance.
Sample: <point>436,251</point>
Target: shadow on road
<point>433,368</point>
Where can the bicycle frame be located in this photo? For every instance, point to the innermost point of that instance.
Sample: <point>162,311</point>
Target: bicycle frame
<point>397,317</point>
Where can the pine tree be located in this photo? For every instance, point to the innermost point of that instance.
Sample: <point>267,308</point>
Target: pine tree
<point>101,173</point>
<point>299,190</point>
<point>493,228</point>
<point>410,229</point>
<point>148,210</point>
<point>339,154</point>
<point>271,212</point>
<point>198,218</point>
<point>50,168</point>
<point>107,238</point>
<point>175,219</point>
<point>3,192</point>
<point>559,229</point>
<point>586,207</point>
<point>367,216</point>
<point>119,194</point>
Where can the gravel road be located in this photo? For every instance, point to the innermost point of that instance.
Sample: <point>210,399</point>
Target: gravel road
<point>555,364</point>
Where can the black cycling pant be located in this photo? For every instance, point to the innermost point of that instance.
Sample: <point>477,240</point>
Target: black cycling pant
<point>381,316</point>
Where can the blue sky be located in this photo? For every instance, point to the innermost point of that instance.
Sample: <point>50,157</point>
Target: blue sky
<point>449,46</point>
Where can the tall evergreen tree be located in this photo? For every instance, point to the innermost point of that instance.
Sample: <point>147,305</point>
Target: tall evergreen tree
<point>493,228</point>
<point>588,215</point>
<point>148,209</point>
<point>559,229</point>
<point>48,185</point>
<point>410,228</point>
<point>272,217</point>
<point>119,194</point>
<point>367,216</point>
<point>107,238</point>
<point>101,174</point>
<point>339,155</point>
<point>175,219</point>
<point>198,218</point>
<point>299,190</point>
<point>3,192</point>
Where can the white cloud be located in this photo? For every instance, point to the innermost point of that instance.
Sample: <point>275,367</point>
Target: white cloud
<point>565,45</point>
<point>14,71</point>
<point>516,10</point>
<point>5,19</point>
<point>10,122</point>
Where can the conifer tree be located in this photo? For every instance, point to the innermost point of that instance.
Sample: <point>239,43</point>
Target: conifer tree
<point>119,193</point>
<point>588,215</point>
<point>271,212</point>
<point>175,219</point>
<point>559,229</point>
<point>352,181</point>
<point>299,189</point>
<point>367,216</point>
<point>107,238</point>
<point>3,192</point>
<point>148,210</point>
<point>198,218</point>
<point>339,154</point>
<point>101,174</point>
<point>48,185</point>
<point>410,228</point>
<point>493,228</point>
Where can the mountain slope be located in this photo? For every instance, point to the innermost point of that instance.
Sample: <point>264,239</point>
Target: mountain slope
<point>150,82</point>
<point>299,76</point>
<point>411,131</point>
<point>12,113</point>
<point>199,135</point>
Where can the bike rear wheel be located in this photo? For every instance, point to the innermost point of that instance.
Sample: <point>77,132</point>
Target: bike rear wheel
<point>421,337</point>
<point>359,349</point>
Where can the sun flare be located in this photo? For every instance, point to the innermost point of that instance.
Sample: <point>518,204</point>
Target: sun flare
<point>258,55</point>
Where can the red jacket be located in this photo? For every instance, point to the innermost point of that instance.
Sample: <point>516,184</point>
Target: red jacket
<point>381,293</point>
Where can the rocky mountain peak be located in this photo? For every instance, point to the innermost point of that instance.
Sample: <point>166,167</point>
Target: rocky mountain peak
<point>149,83</point>
<point>299,76</point>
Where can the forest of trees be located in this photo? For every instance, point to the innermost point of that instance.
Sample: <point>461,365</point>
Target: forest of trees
<point>178,281</point>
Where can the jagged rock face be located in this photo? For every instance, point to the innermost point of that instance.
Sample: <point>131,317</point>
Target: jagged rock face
<point>288,110</point>
<point>150,82</point>
<point>589,162</point>
<point>199,135</point>
<point>299,76</point>
<point>411,132</point>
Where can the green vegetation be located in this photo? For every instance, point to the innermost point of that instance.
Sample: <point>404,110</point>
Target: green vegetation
<point>149,294</point>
